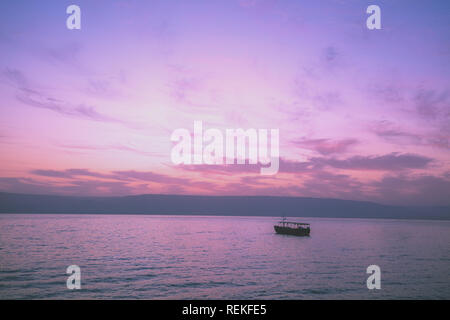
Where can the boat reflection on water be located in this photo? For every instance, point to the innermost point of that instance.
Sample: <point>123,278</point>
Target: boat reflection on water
<point>292,228</point>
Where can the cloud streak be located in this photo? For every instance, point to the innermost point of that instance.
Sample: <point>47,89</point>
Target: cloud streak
<point>39,99</point>
<point>327,146</point>
<point>388,162</point>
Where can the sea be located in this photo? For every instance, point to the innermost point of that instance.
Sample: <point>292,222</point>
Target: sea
<point>220,257</point>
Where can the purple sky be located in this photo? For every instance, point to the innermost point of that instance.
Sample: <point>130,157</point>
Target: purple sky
<point>363,114</point>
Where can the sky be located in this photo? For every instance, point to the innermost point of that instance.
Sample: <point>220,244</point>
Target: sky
<point>362,114</point>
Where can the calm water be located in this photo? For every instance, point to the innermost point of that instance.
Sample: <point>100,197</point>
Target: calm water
<point>193,257</point>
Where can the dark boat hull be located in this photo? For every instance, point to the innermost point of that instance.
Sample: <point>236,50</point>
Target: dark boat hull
<point>300,232</point>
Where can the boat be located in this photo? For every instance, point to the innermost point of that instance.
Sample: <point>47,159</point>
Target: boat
<point>293,228</point>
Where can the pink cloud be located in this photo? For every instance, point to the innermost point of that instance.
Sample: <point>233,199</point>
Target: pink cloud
<point>327,146</point>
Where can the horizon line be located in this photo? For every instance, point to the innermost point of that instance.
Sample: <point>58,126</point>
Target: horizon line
<point>225,196</point>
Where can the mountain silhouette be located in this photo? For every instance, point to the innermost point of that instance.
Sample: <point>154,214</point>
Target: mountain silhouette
<point>214,205</point>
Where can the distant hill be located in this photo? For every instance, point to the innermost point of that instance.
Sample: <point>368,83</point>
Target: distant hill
<point>214,205</point>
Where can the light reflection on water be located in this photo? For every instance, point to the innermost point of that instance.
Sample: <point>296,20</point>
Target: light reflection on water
<point>195,257</point>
